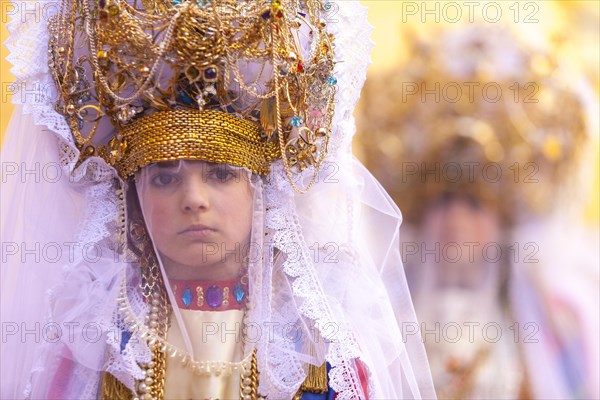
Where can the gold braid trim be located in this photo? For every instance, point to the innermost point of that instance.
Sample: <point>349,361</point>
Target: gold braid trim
<point>315,382</point>
<point>157,389</point>
<point>113,389</point>
<point>210,135</point>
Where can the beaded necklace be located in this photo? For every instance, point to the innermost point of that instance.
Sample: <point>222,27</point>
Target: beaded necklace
<point>213,296</point>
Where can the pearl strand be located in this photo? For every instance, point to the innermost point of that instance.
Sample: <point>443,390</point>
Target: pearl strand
<point>204,368</point>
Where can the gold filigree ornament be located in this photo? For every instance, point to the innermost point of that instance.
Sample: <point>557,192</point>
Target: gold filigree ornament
<point>302,150</point>
<point>267,63</point>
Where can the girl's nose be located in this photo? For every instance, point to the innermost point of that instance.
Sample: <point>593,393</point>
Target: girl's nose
<point>195,195</point>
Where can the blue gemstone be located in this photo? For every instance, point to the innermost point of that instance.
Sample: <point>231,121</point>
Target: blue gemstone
<point>176,2</point>
<point>214,296</point>
<point>327,6</point>
<point>296,121</point>
<point>332,80</point>
<point>186,297</point>
<point>184,98</point>
<point>203,3</point>
<point>239,293</point>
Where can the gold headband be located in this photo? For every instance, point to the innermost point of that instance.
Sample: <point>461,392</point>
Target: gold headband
<point>209,135</point>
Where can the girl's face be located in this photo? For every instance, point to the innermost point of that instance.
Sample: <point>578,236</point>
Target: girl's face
<point>461,219</point>
<point>199,216</point>
<point>464,234</point>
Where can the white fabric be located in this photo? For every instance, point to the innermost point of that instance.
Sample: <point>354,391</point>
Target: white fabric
<point>181,382</point>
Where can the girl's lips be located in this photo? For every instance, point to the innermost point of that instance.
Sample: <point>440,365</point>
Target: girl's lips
<point>197,231</point>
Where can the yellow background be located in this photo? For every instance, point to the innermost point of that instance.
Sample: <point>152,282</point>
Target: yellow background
<point>555,17</point>
<point>5,76</point>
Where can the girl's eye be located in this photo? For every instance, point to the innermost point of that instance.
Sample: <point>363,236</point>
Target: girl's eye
<point>163,179</point>
<point>223,174</point>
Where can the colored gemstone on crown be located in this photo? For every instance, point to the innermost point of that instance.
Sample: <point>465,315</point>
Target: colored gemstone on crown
<point>266,14</point>
<point>210,74</point>
<point>113,10</point>
<point>332,81</point>
<point>296,121</point>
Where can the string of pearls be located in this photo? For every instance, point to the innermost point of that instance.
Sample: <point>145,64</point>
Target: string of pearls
<point>200,368</point>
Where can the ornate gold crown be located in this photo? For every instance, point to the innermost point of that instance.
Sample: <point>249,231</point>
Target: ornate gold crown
<point>472,110</point>
<point>243,82</point>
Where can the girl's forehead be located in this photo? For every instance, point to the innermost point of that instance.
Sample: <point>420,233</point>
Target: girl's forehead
<point>178,164</point>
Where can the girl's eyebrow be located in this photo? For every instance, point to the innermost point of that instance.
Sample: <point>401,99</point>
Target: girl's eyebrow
<point>166,164</point>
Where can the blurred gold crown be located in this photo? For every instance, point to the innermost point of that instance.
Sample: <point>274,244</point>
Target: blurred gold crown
<point>472,110</point>
<point>244,82</point>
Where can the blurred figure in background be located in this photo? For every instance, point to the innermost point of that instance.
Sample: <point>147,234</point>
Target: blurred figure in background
<point>479,138</point>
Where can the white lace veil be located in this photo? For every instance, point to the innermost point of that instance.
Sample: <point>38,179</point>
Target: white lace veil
<point>338,278</point>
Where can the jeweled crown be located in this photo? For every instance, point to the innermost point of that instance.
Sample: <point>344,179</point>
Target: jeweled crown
<point>243,82</point>
<point>473,110</point>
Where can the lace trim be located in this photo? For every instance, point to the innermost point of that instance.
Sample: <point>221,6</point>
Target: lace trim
<point>353,46</point>
<point>125,364</point>
<point>287,238</point>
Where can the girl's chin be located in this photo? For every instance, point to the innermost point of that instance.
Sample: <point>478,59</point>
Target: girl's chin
<point>206,268</point>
